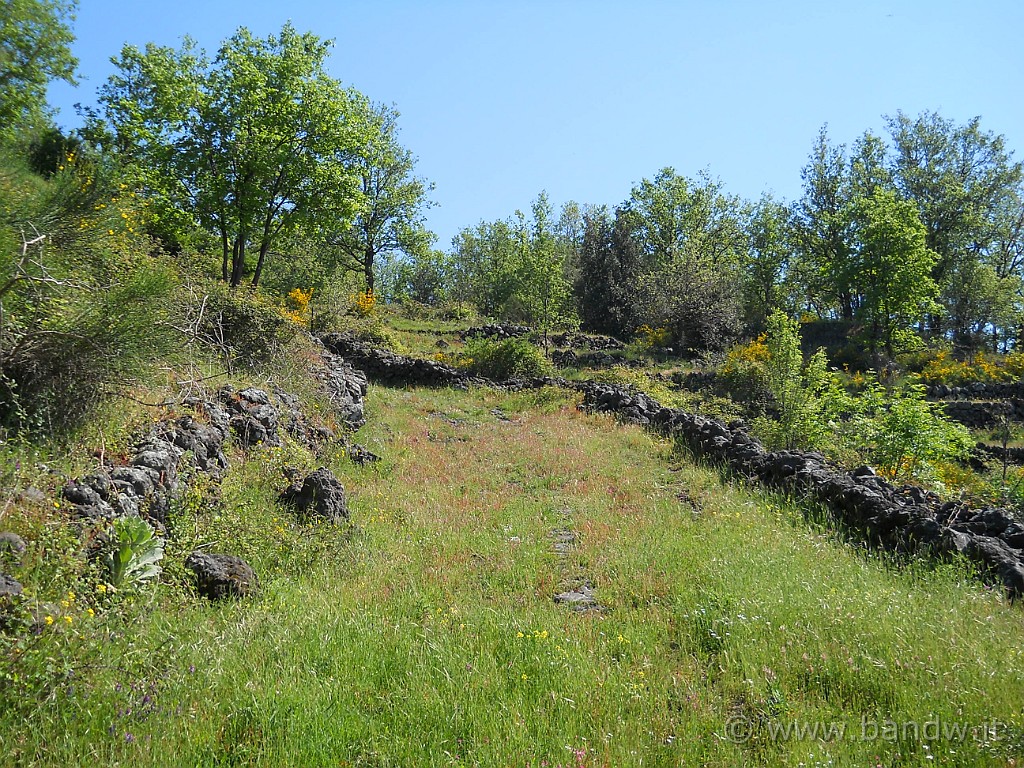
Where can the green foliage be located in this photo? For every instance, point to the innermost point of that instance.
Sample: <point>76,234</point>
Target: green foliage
<point>516,269</point>
<point>83,307</point>
<point>906,436</point>
<point>35,49</point>
<point>895,428</point>
<point>133,552</point>
<point>389,220</point>
<point>890,270</point>
<point>469,512</point>
<point>505,359</point>
<point>250,146</point>
<point>248,328</point>
<point>766,262</point>
<point>804,396</point>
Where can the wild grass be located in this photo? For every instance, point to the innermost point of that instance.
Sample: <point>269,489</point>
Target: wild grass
<point>426,633</point>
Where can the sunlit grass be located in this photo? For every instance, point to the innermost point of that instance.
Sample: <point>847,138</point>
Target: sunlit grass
<point>428,635</point>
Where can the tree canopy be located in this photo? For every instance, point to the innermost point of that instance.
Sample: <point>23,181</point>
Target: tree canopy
<point>249,146</point>
<point>35,49</point>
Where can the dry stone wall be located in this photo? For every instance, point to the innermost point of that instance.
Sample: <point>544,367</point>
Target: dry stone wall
<point>905,518</point>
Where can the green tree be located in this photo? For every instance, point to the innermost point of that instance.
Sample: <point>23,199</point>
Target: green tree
<point>821,229</point>
<point>251,145</point>
<point>390,218</point>
<point>962,180</point>
<point>485,259</point>
<point>797,389</point>
<point>543,287</point>
<point>891,267</point>
<point>768,251</point>
<point>35,49</point>
<point>692,245</point>
<point>605,284</point>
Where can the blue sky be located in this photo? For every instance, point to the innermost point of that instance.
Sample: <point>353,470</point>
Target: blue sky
<point>500,100</point>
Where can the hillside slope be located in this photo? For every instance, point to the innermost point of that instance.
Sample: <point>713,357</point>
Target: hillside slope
<point>427,631</point>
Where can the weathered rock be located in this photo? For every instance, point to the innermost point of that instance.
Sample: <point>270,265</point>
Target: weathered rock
<point>385,366</point>
<point>320,495</point>
<point>346,388</point>
<point>579,599</point>
<point>9,587</point>
<point>361,455</point>
<point>139,481</point>
<point>498,331</point>
<point>81,494</point>
<point>32,495</point>
<point>12,544</point>
<point>222,576</point>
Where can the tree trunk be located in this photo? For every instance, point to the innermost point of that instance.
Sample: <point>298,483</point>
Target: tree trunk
<point>368,255</point>
<point>225,245</point>
<point>259,264</point>
<point>238,261</point>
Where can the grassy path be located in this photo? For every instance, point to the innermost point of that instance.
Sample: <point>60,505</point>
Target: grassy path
<point>430,635</point>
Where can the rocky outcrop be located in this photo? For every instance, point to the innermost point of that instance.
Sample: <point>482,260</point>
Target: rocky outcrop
<point>586,341</point>
<point>318,496</point>
<point>222,576</point>
<point>498,331</point>
<point>982,415</point>
<point>976,391</point>
<point>895,517</point>
<point>146,484</point>
<point>387,367</point>
<point>1011,454</point>
<point>346,388</point>
<point>569,358</point>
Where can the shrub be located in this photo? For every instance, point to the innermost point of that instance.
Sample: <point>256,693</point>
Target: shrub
<point>297,305</point>
<point>363,303</point>
<point>803,395</point>
<point>60,365</point>
<point>743,371</point>
<point>943,368</point>
<point>506,359</point>
<point>242,326</point>
<point>83,305</point>
<point>908,437</point>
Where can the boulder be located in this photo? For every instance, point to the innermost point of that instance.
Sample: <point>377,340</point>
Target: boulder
<point>222,576</point>
<point>9,587</point>
<point>319,495</point>
<point>12,544</point>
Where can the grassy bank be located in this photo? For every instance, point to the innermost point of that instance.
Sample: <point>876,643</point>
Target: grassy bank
<point>427,635</point>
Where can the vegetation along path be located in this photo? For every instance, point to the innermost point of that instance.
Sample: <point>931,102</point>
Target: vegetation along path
<point>427,634</point>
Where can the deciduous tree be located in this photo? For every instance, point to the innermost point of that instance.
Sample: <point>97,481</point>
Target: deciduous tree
<point>389,220</point>
<point>251,145</point>
<point>35,49</point>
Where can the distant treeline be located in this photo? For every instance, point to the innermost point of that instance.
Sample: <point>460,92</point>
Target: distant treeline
<point>919,235</point>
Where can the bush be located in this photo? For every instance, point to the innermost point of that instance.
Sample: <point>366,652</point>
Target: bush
<point>908,437</point>
<point>242,326</point>
<point>83,305</point>
<point>506,359</point>
<point>940,367</point>
<point>743,372</point>
<point>802,394</point>
<point>59,369</point>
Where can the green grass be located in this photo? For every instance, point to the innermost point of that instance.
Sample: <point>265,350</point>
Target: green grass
<point>427,634</point>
